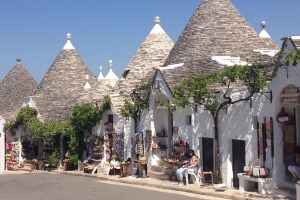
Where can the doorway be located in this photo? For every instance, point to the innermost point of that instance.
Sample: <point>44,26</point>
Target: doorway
<point>208,154</point>
<point>238,159</point>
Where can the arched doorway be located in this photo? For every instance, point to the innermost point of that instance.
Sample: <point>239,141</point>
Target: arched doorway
<point>289,120</point>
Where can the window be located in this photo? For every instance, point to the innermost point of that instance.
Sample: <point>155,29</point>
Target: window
<point>188,120</point>
<point>125,73</point>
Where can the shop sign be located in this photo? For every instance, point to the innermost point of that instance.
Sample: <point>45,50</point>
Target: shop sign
<point>290,95</point>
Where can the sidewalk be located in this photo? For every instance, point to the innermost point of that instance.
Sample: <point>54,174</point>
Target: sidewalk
<point>208,189</point>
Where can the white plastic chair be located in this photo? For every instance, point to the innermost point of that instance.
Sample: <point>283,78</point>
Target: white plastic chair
<point>194,171</point>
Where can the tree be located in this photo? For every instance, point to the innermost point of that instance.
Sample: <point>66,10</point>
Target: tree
<point>84,117</point>
<point>132,108</point>
<point>204,89</point>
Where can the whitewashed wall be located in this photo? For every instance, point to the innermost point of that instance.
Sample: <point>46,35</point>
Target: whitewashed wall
<point>237,124</point>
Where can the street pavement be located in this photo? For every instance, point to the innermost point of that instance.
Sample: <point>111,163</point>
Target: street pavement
<point>146,185</point>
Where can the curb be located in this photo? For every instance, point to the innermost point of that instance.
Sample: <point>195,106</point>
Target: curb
<point>156,185</point>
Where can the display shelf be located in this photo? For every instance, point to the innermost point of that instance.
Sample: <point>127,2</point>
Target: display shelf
<point>11,165</point>
<point>160,136</point>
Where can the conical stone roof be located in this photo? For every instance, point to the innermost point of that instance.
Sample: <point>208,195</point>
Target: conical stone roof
<point>150,56</point>
<point>216,29</point>
<point>16,86</point>
<point>63,85</point>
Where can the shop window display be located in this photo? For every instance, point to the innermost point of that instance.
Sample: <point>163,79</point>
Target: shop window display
<point>118,146</point>
<point>94,153</point>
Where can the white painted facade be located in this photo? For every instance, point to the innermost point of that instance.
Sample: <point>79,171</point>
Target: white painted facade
<point>237,124</point>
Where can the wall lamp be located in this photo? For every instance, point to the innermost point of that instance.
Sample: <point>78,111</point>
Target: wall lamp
<point>252,77</point>
<point>134,96</point>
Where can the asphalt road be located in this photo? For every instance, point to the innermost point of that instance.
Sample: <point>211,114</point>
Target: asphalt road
<point>48,186</point>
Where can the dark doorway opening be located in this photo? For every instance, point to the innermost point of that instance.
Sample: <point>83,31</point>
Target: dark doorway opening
<point>238,159</point>
<point>208,154</point>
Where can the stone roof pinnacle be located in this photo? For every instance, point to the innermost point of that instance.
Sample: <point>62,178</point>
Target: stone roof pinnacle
<point>157,28</point>
<point>100,74</point>
<point>264,33</point>
<point>111,74</point>
<point>157,20</point>
<point>68,45</point>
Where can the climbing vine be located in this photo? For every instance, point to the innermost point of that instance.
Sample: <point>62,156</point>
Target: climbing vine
<point>83,118</point>
<point>49,132</point>
<point>292,58</point>
<point>132,109</point>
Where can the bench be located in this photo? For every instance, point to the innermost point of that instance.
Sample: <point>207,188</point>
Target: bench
<point>246,183</point>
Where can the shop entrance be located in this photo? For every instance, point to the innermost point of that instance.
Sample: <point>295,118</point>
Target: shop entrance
<point>289,120</point>
<point>238,159</point>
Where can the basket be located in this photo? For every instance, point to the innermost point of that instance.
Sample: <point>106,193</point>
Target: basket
<point>259,171</point>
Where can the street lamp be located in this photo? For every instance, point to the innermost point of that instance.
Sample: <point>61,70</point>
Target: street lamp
<point>134,96</point>
<point>252,77</point>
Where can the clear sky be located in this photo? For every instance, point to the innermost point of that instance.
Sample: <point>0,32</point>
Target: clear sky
<point>35,30</point>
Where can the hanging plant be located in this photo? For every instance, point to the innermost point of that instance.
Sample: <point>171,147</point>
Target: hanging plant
<point>283,117</point>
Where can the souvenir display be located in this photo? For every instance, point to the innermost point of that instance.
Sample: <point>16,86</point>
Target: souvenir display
<point>119,146</point>
<point>12,156</point>
<point>139,149</point>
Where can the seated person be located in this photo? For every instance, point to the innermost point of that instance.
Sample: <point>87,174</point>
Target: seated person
<point>115,164</point>
<point>192,161</point>
<point>295,169</point>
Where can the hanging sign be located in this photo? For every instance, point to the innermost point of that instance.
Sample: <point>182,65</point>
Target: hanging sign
<point>290,95</point>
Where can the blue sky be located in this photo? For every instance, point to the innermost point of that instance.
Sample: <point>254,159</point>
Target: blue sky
<point>35,30</point>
